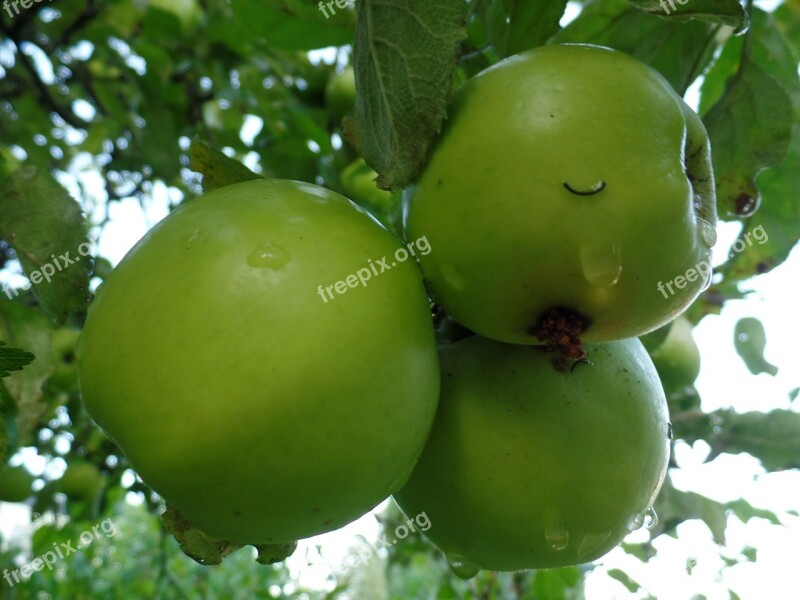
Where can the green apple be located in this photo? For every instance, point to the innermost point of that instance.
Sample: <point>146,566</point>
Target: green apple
<point>81,481</point>
<point>570,185</point>
<point>15,484</point>
<point>62,350</point>
<point>529,467</point>
<point>261,398</point>
<point>677,358</point>
<point>358,183</point>
<point>340,94</point>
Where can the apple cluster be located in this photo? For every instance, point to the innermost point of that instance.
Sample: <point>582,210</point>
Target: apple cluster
<point>569,181</point>
<point>531,432</point>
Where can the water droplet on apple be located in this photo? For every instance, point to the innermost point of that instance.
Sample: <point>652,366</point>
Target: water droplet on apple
<point>746,204</point>
<point>647,518</point>
<point>650,518</point>
<point>462,568</point>
<point>707,232</point>
<point>708,276</point>
<point>190,240</point>
<point>601,263</point>
<point>269,256</point>
<point>452,276</point>
<point>556,533</point>
<point>636,521</point>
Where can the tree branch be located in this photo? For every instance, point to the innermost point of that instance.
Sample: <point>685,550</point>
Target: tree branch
<point>86,15</point>
<point>44,93</point>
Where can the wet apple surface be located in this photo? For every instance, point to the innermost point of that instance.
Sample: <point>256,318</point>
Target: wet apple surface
<point>260,412</point>
<point>511,478</point>
<point>568,177</point>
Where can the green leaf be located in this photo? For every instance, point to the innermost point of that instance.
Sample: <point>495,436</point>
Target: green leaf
<point>3,441</point>
<point>773,437</point>
<point>404,58</point>
<point>4,168</point>
<point>750,129</point>
<point>556,583</point>
<point>625,580</point>
<point>778,217</point>
<point>679,51</point>
<point>26,327</point>
<point>297,24</point>
<point>218,170</point>
<point>773,52</point>
<point>776,223</point>
<point>719,73</point>
<point>157,144</point>
<point>517,25</point>
<point>750,339</point>
<point>13,359</point>
<point>8,424</point>
<point>787,19</point>
<point>724,12</point>
<point>643,552</point>
<point>746,511</point>
<point>750,124</point>
<point>673,507</point>
<point>751,554</point>
<point>44,225</point>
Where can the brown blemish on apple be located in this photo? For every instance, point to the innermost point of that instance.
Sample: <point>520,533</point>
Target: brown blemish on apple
<point>560,328</point>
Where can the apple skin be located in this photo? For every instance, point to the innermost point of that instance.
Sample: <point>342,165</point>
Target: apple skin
<point>677,358</point>
<point>530,467</point>
<point>358,183</point>
<point>260,412</point>
<point>340,94</point>
<point>510,241</point>
<point>81,481</point>
<point>62,354</point>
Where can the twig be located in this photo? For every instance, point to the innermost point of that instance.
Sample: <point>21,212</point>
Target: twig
<point>86,15</point>
<point>66,114</point>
